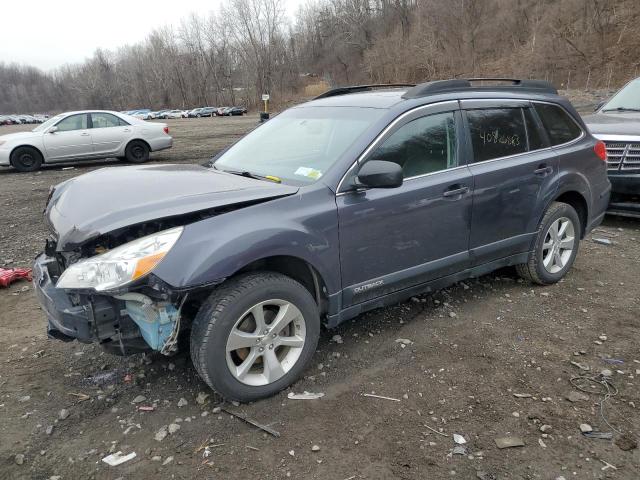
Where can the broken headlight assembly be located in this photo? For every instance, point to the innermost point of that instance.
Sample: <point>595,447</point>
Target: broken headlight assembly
<point>122,265</point>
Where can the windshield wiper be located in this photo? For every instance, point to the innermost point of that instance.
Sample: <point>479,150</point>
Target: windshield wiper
<point>246,173</point>
<point>622,109</point>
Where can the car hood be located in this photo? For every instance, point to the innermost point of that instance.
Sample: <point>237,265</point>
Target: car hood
<point>108,199</point>
<point>17,135</point>
<point>627,123</point>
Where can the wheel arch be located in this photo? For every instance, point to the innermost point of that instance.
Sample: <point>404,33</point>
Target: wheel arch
<point>579,204</point>
<point>296,268</point>
<point>137,139</point>
<point>27,146</point>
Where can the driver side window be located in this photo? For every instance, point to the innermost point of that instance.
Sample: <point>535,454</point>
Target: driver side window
<point>424,145</point>
<point>74,122</point>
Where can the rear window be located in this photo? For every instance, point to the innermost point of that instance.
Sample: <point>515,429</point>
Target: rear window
<point>496,132</point>
<point>560,127</point>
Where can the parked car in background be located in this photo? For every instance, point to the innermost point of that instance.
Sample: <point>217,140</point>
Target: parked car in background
<point>158,113</point>
<point>173,114</point>
<point>206,112</point>
<point>142,114</point>
<point>194,113</point>
<point>84,135</point>
<point>220,111</point>
<point>233,111</point>
<point>617,123</point>
<point>5,120</point>
<point>293,225</point>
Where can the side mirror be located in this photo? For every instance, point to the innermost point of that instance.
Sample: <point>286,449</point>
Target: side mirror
<point>379,174</point>
<point>598,106</point>
<point>53,129</point>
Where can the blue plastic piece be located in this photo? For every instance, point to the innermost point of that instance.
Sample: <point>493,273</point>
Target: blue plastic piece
<point>156,321</point>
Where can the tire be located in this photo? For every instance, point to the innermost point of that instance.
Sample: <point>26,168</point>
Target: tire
<point>26,159</point>
<point>228,309</point>
<point>137,152</point>
<point>544,266</point>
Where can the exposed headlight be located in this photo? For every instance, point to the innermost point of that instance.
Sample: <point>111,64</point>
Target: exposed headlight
<point>121,265</point>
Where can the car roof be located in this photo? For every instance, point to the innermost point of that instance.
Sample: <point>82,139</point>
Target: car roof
<point>77,112</point>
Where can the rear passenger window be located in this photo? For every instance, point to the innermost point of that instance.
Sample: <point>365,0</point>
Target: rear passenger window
<point>424,145</point>
<point>496,132</point>
<point>558,124</point>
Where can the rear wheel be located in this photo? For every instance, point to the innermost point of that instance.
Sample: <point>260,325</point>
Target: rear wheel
<point>556,246</point>
<point>255,335</point>
<point>137,152</point>
<point>26,159</point>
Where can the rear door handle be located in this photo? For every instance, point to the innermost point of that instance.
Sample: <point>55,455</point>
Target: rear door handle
<point>126,130</point>
<point>455,190</point>
<point>84,134</point>
<point>543,170</point>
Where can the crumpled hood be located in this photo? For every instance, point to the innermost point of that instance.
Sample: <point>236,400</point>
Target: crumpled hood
<point>626,123</point>
<point>105,200</point>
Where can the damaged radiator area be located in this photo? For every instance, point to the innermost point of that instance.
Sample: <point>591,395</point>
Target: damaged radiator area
<point>159,322</point>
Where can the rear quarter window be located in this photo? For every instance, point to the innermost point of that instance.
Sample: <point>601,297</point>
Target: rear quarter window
<point>559,125</point>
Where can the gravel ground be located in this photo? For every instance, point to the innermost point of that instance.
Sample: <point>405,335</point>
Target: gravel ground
<point>485,359</point>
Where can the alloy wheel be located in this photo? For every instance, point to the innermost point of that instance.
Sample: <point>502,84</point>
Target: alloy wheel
<point>559,242</point>
<point>265,342</point>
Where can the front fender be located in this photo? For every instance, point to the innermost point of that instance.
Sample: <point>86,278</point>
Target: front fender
<point>302,226</point>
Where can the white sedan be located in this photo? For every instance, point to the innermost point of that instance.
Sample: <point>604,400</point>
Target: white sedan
<point>176,114</point>
<point>85,135</point>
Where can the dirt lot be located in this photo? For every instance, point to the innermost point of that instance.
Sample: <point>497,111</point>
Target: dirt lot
<point>488,358</point>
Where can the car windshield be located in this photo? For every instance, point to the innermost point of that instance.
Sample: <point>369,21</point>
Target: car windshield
<point>626,99</point>
<point>299,145</point>
<point>48,123</point>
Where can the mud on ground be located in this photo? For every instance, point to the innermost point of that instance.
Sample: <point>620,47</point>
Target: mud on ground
<point>467,351</point>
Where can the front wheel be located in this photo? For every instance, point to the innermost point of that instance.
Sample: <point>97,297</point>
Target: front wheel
<point>255,335</point>
<point>26,159</point>
<point>556,246</point>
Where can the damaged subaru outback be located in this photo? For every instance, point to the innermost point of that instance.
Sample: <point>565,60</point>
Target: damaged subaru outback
<point>355,200</point>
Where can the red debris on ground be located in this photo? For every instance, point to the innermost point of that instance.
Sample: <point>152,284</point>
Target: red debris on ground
<point>9,275</point>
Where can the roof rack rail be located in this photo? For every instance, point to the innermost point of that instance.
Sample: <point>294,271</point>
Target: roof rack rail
<point>441,86</point>
<point>360,88</point>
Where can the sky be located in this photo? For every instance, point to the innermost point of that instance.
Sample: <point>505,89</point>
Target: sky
<point>50,33</point>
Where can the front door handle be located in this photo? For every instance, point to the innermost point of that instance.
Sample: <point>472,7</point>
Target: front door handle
<point>455,191</point>
<point>126,130</point>
<point>84,134</point>
<point>543,170</point>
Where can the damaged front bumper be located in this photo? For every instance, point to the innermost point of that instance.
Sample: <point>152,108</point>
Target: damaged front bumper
<point>125,324</point>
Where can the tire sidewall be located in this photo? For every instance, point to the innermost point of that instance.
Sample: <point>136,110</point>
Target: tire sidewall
<point>564,210</point>
<point>215,351</point>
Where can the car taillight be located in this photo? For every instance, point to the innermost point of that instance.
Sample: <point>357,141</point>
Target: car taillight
<point>166,130</point>
<point>601,150</point>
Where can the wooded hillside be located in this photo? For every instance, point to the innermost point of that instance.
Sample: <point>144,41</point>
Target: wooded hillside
<point>249,47</point>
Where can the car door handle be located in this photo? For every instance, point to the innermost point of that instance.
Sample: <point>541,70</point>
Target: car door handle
<point>456,190</point>
<point>127,130</point>
<point>543,170</point>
